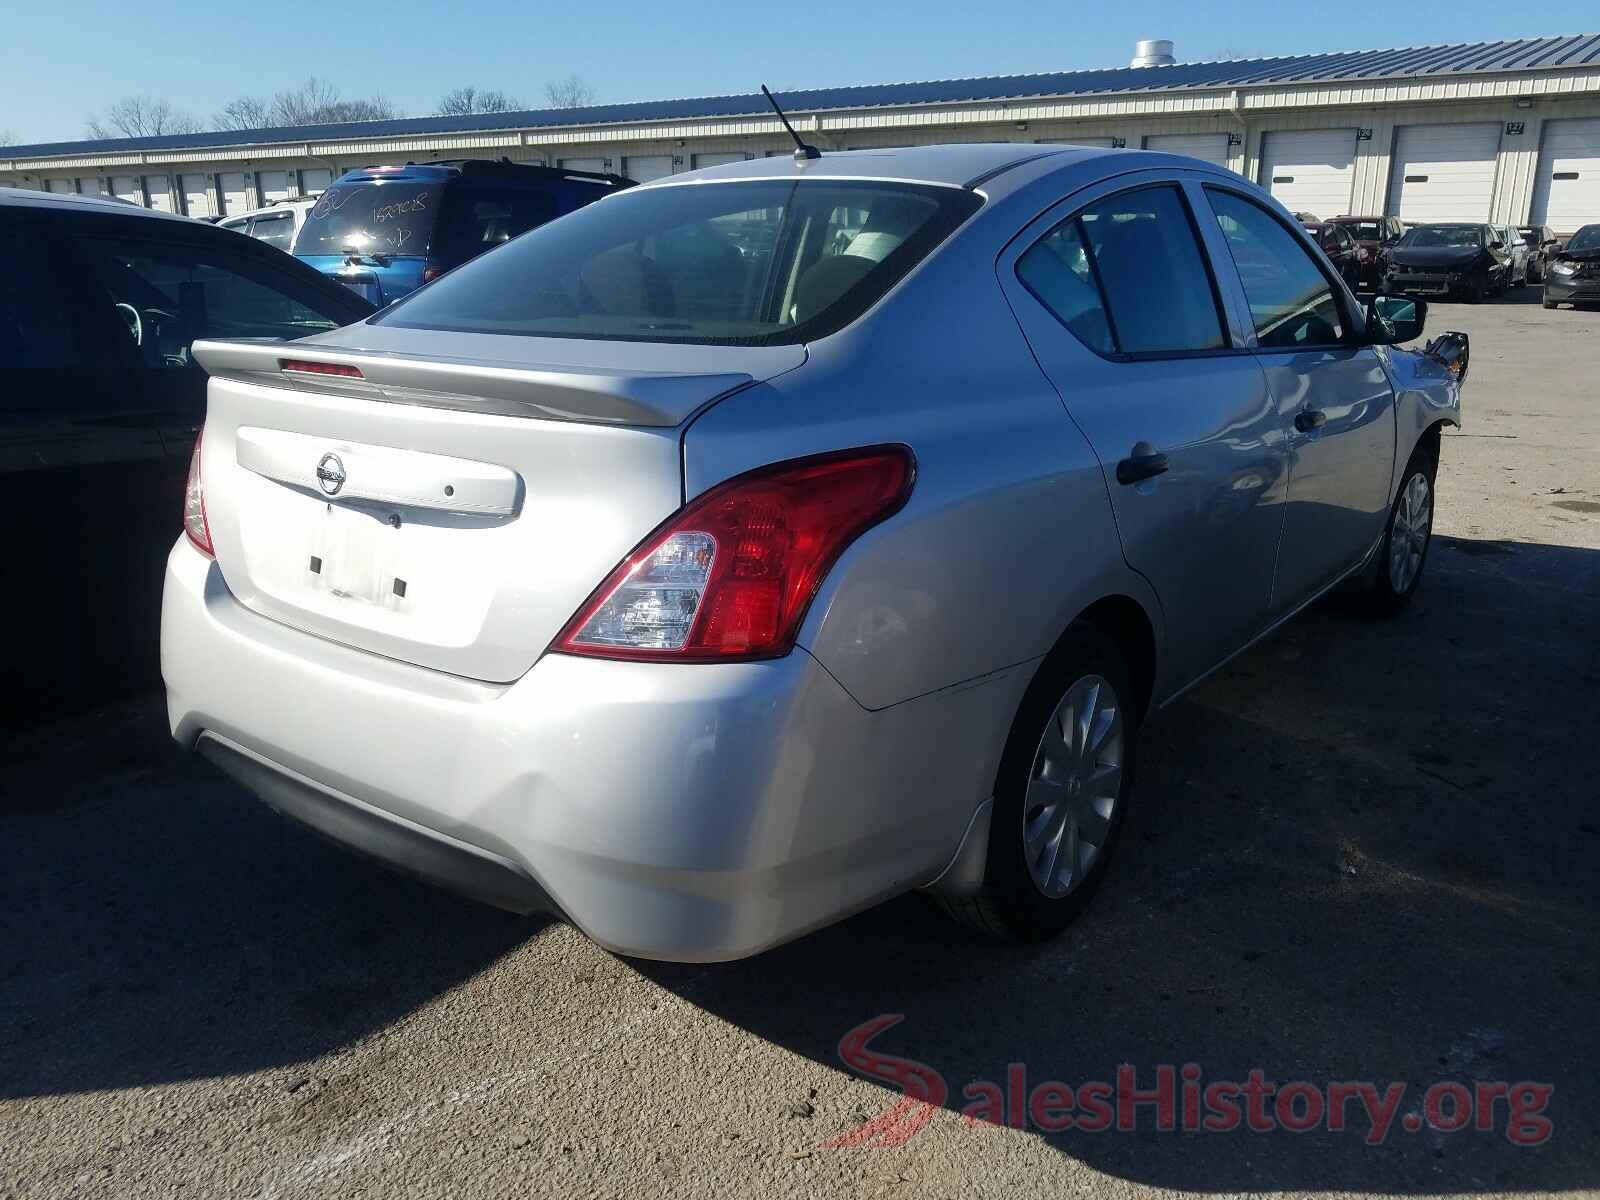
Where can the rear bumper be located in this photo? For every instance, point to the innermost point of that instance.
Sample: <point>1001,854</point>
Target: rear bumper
<point>685,812</point>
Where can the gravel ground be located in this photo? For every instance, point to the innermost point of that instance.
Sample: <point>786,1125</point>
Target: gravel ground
<point>1365,851</point>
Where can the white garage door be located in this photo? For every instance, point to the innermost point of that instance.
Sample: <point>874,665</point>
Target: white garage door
<point>1443,172</point>
<point>126,187</point>
<point>1100,143</point>
<point>196,195</point>
<point>158,192</point>
<point>584,164</point>
<point>65,186</point>
<point>715,160</point>
<point>272,185</point>
<point>645,167</point>
<point>314,180</point>
<point>1566,194</point>
<point>1310,170</point>
<point>1211,147</point>
<point>235,198</point>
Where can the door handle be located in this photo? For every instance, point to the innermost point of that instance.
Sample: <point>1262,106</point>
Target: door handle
<point>1137,467</point>
<point>1308,419</point>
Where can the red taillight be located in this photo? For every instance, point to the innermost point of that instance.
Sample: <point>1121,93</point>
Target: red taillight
<point>194,504</point>
<point>731,575</point>
<point>307,367</point>
<point>432,271</point>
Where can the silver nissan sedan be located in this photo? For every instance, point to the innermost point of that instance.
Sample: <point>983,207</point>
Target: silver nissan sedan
<point>763,542</point>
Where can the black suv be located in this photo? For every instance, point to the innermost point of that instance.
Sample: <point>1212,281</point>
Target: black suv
<point>99,404</point>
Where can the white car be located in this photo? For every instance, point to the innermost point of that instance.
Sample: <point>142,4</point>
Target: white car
<point>278,224</point>
<point>708,598</point>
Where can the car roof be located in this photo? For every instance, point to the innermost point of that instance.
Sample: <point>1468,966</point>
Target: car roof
<point>964,165</point>
<point>277,207</point>
<point>11,197</point>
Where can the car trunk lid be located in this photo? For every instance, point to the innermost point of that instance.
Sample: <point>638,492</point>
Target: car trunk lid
<point>455,504</point>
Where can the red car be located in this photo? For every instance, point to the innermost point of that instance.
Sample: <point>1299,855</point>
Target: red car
<point>1341,250</point>
<point>1373,237</point>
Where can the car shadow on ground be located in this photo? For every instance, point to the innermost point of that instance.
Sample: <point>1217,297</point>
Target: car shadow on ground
<point>1368,851</point>
<point>163,925</point>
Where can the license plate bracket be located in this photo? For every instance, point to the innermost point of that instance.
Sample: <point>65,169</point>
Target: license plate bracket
<point>352,557</point>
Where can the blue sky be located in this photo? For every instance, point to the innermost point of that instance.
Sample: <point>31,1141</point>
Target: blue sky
<point>63,60</point>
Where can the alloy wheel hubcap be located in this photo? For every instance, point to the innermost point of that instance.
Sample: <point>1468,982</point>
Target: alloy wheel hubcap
<point>1408,537</point>
<point>1074,786</point>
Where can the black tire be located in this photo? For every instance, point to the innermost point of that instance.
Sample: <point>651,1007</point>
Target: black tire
<point>1549,303</point>
<point>1011,906</point>
<point>1380,595</point>
<point>1475,291</point>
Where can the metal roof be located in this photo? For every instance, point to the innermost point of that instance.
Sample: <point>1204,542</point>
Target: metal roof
<point>1415,62</point>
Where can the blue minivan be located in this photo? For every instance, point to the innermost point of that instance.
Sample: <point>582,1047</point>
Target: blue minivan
<point>386,231</point>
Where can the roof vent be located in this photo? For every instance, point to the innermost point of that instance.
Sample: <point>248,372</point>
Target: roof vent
<point>1153,53</point>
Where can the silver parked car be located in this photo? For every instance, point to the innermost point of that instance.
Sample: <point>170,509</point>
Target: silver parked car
<point>754,545</point>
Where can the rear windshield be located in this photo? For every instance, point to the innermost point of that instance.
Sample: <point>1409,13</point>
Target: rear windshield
<point>1587,238</point>
<point>751,263</point>
<point>1364,231</point>
<point>1442,235</point>
<point>380,217</point>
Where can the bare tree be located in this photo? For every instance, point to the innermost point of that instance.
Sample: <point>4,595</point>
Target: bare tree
<point>464,101</point>
<point>141,116</point>
<point>8,137</point>
<point>571,92</point>
<point>247,112</point>
<point>318,102</point>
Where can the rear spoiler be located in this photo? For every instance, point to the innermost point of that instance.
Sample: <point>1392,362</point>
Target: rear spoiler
<point>562,394</point>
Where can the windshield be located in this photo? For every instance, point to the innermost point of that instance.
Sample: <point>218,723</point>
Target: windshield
<point>1587,238</point>
<point>1443,235</point>
<point>751,263</point>
<point>371,217</point>
<point>1364,231</point>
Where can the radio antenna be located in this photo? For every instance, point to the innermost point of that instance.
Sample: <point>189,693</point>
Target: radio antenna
<point>802,151</point>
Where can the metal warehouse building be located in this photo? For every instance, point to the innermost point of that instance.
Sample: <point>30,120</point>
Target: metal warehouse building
<point>1494,131</point>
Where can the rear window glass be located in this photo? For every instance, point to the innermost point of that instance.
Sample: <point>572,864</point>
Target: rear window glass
<point>750,263</point>
<point>1365,231</point>
<point>388,217</point>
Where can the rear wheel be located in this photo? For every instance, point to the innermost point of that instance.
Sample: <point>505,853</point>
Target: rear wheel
<point>1061,794</point>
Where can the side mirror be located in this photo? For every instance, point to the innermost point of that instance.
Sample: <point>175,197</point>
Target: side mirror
<point>1497,244</point>
<point>1395,319</point>
<point>1451,350</point>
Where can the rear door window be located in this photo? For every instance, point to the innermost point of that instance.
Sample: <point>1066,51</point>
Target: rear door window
<point>1292,304</point>
<point>40,327</point>
<point>478,215</point>
<point>1127,276</point>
